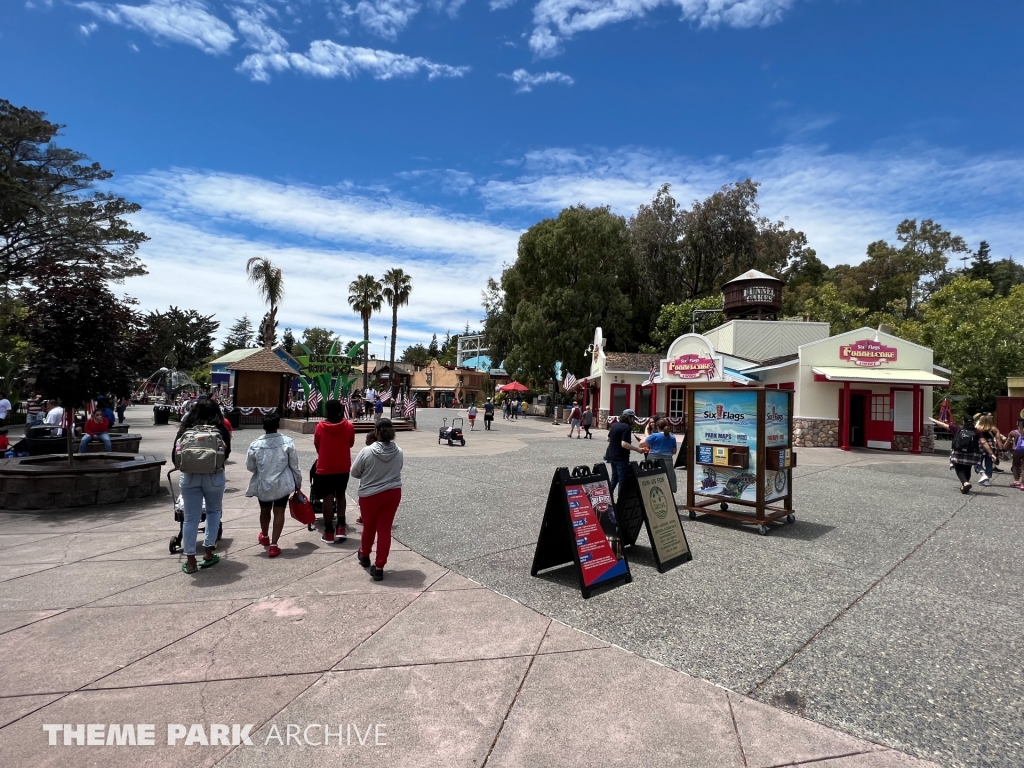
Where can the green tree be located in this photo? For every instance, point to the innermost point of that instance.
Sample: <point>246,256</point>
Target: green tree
<point>320,340</point>
<point>85,340</point>
<point>50,214</point>
<point>396,290</point>
<point>365,298</point>
<point>827,306</point>
<point>416,354</point>
<point>185,333</point>
<point>288,340</point>
<point>981,267</point>
<point>1006,273</point>
<point>567,280</point>
<point>240,336</point>
<point>269,282</point>
<point>433,350</point>
<point>979,336</point>
<point>449,349</point>
<point>676,319</point>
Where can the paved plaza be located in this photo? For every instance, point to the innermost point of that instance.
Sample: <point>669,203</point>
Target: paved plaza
<point>882,629</point>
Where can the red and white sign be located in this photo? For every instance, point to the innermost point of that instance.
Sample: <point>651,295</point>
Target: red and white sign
<point>692,366</point>
<point>867,353</point>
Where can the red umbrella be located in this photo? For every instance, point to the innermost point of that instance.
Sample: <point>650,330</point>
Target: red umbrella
<point>514,386</point>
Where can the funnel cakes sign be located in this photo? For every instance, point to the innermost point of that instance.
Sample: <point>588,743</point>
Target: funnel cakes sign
<point>867,353</point>
<point>692,366</point>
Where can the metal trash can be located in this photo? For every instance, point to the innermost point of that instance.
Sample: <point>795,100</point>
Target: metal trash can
<point>161,415</point>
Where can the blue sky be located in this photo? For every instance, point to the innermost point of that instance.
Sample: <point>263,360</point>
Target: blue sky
<point>346,136</point>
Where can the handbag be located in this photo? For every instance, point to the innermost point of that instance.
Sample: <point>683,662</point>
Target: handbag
<point>301,508</point>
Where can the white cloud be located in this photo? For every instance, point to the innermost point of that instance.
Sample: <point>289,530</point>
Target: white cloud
<point>180,21</point>
<point>497,5</point>
<point>256,33</point>
<point>843,201</point>
<point>558,20</point>
<point>525,81</point>
<point>88,29</point>
<point>386,18</point>
<point>329,59</point>
<point>134,47</point>
<point>204,226</point>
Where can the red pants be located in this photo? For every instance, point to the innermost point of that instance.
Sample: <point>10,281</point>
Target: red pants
<point>378,513</point>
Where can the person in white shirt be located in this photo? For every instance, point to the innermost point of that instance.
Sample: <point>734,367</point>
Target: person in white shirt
<point>5,407</point>
<point>55,417</point>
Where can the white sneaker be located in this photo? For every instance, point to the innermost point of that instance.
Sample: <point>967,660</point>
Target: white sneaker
<point>984,480</point>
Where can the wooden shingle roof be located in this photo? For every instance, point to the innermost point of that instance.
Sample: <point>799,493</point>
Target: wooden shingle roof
<point>264,361</point>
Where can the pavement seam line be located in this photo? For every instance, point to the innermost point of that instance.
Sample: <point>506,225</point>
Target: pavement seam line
<point>43,618</point>
<point>492,554</point>
<point>736,729</point>
<point>813,760</point>
<point>831,622</point>
<point>515,696</point>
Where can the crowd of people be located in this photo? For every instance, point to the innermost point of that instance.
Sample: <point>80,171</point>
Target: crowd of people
<point>201,448</point>
<point>976,446</point>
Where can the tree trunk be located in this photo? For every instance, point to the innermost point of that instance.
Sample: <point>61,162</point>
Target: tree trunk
<point>366,352</point>
<point>268,330</point>
<point>391,366</point>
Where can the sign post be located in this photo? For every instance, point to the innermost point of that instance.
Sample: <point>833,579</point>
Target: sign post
<point>646,496</point>
<point>580,526</point>
<point>740,454</point>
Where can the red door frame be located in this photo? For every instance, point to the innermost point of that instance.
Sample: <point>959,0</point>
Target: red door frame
<point>611,399</point>
<point>879,430</point>
<point>915,432</point>
<point>845,393</point>
<point>654,397</point>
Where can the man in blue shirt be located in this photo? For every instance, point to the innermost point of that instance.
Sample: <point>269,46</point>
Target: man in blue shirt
<point>620,443</point>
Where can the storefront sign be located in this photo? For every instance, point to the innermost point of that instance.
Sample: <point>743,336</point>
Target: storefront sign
<point>692,366</point>
<point>867,353</point>
<point>760,295</point>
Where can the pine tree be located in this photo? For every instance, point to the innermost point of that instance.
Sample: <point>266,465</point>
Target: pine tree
<point>288,340</point>
<point>433,349</point>
<point>240,336</point>
<point>263,335</point>
<point>981,267</point>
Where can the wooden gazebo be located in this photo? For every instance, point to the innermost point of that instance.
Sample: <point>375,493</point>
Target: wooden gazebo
<point>261,380</point>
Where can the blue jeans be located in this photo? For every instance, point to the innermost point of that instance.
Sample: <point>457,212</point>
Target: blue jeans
<point>618,473</point>
<point>120,415</point>
<point>86,439</point>
<point>194,490</point>
<point>986,464</point>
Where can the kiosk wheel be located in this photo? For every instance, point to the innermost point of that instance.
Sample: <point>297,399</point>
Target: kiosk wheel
<point>763,530</point>
<point>724,507</point>
<point>693,515</point>
<point>463,441</point>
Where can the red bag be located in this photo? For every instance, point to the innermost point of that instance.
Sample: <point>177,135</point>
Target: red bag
<point>301,508</point>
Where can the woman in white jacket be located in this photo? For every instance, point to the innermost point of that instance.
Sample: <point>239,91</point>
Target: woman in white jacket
<point>274,464</point>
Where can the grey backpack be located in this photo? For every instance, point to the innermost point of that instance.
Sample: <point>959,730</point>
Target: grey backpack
<point>200,450</point>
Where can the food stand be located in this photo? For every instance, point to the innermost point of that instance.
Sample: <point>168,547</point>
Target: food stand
<point>740,454</point>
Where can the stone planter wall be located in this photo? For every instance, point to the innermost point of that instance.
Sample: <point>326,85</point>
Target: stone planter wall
<point>50,487</point>
<point>816,433</point>
<point>118,444</point>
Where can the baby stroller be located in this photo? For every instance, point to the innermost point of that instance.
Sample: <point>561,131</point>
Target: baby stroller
<point>452,433</point>
<point>179,517</point>
<point>317,498</point>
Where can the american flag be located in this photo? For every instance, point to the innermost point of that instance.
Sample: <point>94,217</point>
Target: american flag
<point>385,397</point>
<point>569,382</point>
<point>347,402</point>
<point>409,408</point>
<point>314,399</point>
<point>652,375</point>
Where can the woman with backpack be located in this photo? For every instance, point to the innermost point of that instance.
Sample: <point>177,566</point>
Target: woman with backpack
<point>201,458</point>
<point>1015,444</point>
<point>378,468</point>
<point>274,464</point>
<point>966,450</point>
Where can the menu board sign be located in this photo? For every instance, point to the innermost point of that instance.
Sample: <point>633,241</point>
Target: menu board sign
<point>664,528</point>
<point>722,418</point>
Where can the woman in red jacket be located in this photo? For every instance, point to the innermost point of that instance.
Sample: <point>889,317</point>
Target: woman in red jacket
<point>333,441</point>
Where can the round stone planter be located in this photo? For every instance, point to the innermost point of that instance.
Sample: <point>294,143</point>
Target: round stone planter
<point>47,482</point>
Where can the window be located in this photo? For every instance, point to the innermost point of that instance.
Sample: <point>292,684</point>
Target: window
<point>676,402</point>
<point>645,401</point>
<point>880,410</point>
<point>620,398</point>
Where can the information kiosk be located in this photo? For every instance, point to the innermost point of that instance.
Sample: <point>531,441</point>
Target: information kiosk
<point>740,454</point>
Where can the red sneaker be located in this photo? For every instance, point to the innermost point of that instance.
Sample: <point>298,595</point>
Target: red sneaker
<point>339,533</point>
<point>263,539</point>
<point>328,537</point>
<point>274,550</point>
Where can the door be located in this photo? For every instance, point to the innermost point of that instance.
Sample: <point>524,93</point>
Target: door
<point>879,431</point>
<point>620,399</point>
<point>857,414</point>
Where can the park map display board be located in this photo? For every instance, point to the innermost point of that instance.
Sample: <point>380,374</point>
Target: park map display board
<point>580,527</point>
<point>646,498</point>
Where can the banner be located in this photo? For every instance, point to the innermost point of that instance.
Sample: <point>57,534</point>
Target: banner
<point>724,418</point>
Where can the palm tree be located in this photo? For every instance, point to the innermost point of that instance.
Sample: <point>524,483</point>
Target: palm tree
<point>269,282</point>
<point>364,296</point>
<point>396,290</point>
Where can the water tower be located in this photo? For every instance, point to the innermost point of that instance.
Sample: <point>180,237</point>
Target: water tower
<point>752,296</point>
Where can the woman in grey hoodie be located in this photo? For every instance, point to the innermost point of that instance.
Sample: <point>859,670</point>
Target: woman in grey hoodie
<point>274,464</point>
<point>378,467</point>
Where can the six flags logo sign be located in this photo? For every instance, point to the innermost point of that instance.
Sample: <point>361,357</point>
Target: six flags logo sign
<point>869,354</point>
<point>692,366</point>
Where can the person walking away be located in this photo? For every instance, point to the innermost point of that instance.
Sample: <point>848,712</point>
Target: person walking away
<point>620,444</point>
<point>378,407</point>
<point>661,446</point>
<point>515,409</point>
<point>488,414</point>
<point>966,451</point>
<point>36,409</point>
<point>5,408</point>
<point>505,404</point>
<point>471,413</point>
<point>201,458</point>
<point>575,419</point>
<point>588,422</point>
<point>989,442</point>
<point>122,406</point>
<point>274,463</point>
<point>1015,444</point>
<point>378,468</point>
<point>96,428</point>
<point>333,440</point>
